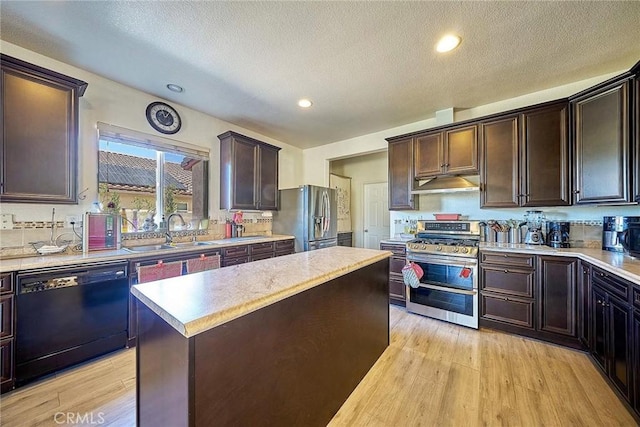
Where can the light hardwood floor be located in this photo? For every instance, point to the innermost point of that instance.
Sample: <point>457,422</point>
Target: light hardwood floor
<point>432,374</point>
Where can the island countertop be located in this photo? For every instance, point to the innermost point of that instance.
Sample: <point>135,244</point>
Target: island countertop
<point>198,302</point>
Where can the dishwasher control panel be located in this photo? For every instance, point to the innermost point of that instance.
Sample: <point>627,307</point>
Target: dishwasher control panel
<point>45,285</point>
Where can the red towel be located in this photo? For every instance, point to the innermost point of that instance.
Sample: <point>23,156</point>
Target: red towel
<point>161,270</point>
<point>203,263</point>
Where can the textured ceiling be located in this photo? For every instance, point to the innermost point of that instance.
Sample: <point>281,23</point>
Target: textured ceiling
<point>367,66</point>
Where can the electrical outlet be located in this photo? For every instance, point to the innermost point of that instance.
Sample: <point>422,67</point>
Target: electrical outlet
<point>77,219</point>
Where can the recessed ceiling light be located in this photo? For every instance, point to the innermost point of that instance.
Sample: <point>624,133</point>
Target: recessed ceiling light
<point>305,103</point>
<point>448,43</point>
<point>175,88</point>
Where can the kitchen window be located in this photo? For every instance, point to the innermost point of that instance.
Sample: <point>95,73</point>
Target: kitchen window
<point>147,178</point>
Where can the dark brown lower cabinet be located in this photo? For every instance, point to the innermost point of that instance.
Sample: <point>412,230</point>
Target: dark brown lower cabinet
<point>536,298</point>
<point>636,370</point>
<point>556,295</point>
<point>397,288</point>
<point>584,298</point>
<point>612,337</point>
<point>345,239</point>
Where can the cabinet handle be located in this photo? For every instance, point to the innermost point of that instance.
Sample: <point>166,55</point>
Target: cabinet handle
<point>443,165</point>
<point>576,191</point>
<point>505,255</point>
<point>598,301</point>
<point>505,270</point>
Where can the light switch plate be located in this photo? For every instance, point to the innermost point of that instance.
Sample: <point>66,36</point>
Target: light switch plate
<point>77,219</point>
<point>6,222</point>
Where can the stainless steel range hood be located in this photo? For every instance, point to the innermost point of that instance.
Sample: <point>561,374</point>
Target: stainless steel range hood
<point>445,184</point>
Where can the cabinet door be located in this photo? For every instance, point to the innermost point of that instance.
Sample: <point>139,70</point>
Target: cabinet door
<point>620,336</point>
<point>6,316</point>
<point>515,311</point>
<point>245,163</point>
<point>636,346</point>
<point>461,150</point>
<point>38,140</point>
<point>602,146</point>
<point>268,179</point>
<point>401,175</point>
<point>6,365</point>
<point>556,295</point>
<point>636,161</point>
<point>428,156</point>
<point>499,173</point>
<point>599,326</point>
<point>397,289</point>
<point>544,180</point>
<point>584,310</point>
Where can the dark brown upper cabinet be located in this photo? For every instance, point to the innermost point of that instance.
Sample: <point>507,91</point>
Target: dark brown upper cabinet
<point>636,145</point>
<point>601,143</point>
<point>525,158</point>
<point>39,137</point>
<point>401,174</point>
<point>248,173</point>
<point>447,152</point>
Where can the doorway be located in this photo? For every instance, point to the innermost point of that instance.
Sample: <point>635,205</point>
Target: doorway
<point>376,214</point>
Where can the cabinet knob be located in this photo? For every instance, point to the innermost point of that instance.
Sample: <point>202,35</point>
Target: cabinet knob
<point>576,191</point>
<point>505,270</point>
<point>443,165</point>
<point>598,301</point>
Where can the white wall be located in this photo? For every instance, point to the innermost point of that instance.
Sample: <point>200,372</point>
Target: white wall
<point>110,102</point>
<point>367,169</point>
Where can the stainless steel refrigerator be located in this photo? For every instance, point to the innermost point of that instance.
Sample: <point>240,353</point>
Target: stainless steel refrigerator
<point>310,214</point>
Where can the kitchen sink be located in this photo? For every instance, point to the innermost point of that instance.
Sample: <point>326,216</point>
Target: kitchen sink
<point>190,244</point>
<point>149,248</point>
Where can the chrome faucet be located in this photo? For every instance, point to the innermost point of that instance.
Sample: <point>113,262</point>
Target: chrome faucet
<point>169,218</point>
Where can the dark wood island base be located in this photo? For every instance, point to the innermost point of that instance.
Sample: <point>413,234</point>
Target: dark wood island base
<point>293,362</point>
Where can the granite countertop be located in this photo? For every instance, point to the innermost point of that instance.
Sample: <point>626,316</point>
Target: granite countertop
<point>16,264</point>
<point>621,264</point>
<point>198,302</point>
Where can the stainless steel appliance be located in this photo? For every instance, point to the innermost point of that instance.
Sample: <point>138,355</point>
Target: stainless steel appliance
<point>535,223</point>
<point>101,231</point>
<point>67,315</point>
<point>447,252</point>
<point>310,214</point>
<point>614,230</point>
<point>630,238</point>
<point>558,234</point>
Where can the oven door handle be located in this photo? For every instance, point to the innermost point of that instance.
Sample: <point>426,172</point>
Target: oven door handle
<point>446,289</point>
<point>448,261</point>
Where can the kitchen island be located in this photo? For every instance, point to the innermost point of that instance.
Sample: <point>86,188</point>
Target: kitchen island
<point>280,341</point>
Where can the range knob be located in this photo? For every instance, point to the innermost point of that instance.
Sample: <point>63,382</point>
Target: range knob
<point>465,250</point>
<point>423,246</point>
<point>455,249</point>
<point>438,248</point>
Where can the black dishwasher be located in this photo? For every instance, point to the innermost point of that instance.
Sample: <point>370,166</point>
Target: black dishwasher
<point>68,315</point>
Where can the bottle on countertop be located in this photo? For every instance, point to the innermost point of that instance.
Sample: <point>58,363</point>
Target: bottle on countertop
<point>227,229</point>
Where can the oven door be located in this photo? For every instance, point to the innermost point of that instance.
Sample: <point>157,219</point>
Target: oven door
<point>448,289</point>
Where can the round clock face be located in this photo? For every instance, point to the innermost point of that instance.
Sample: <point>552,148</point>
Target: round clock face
<point>163,118</point>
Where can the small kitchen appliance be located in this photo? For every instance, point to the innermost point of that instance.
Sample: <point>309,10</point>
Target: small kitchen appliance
<point>535,223</point>
<point>100,231</point>
<point>614,231</point>
<point>558,234</point>
<point>447,253</point>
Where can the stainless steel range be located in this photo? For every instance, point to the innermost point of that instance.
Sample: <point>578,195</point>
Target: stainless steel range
<point>447,252</point>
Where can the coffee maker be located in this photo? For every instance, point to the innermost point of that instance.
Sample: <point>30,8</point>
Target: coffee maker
<point>558,234</point>
<point>535,222</point>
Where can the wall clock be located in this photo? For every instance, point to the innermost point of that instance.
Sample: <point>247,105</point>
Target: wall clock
<point>163,118</point>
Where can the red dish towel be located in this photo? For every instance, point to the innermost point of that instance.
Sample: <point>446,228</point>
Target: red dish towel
<point>161,270</point>
<point>203,263</point>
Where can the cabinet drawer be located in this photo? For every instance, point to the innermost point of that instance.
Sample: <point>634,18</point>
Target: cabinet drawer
<point>235,251</point>
<point>636,303</point>
<point>285,245</point>
<point>396,264</point>
<point>397,289</point>
<point>226,262</point>
<point>6,316</point>
<point>507,259</point>
<point>515,311</point>
<point>261,248</point>
<point>507,281</point>
<point>396,249</point>
<point>6,365</point>
<point>6,283</point>
<point>611,283</point>
<point>257,257</point>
